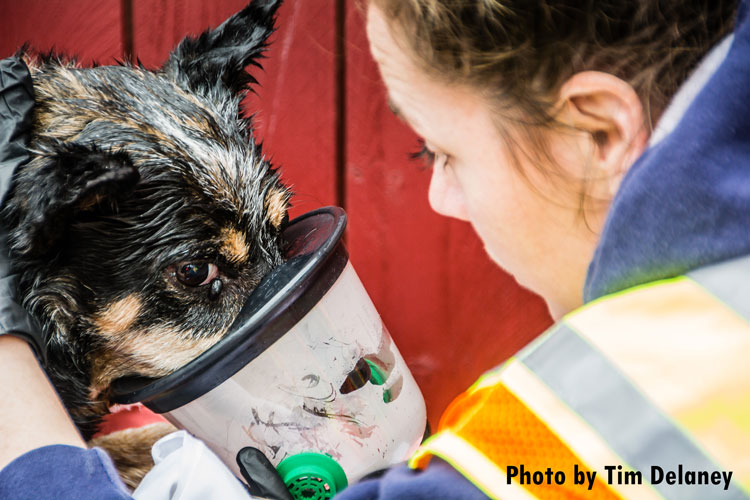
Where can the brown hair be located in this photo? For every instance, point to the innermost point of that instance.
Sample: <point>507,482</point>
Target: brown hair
<point>520,52</point>
<point>524,50</point>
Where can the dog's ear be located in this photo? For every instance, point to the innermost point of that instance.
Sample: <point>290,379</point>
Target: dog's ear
<point>214,62</point>
<point>46,197</point>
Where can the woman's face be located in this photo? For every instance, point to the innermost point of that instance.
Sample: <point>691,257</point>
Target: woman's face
<point>530,224</point>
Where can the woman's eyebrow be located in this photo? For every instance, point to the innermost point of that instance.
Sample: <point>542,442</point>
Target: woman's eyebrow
<point>395,109</point>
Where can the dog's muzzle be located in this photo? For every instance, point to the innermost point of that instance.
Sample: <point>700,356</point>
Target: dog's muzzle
<point>308,373</point>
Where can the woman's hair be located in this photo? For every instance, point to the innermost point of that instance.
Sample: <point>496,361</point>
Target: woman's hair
<point>524,50</point>
<point>520,52</point>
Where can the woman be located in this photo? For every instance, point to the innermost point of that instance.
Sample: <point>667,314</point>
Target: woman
<point>538,119</point>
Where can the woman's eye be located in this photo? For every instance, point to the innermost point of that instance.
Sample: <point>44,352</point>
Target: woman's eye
<point>428,156</point>
<point>196,273</point>
<point>424,154</point>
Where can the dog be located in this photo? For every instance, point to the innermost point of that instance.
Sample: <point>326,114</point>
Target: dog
<point>145,217</point>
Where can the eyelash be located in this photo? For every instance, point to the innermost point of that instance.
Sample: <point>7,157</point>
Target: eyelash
<point>427,156</point>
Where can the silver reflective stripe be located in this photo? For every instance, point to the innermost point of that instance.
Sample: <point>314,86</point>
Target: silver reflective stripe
<point>729,282</point>
<point>633,428</point>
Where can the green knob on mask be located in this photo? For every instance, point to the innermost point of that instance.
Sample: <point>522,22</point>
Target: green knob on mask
<point>312,476</point>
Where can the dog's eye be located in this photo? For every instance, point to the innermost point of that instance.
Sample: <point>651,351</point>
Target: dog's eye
<point>196,273</point>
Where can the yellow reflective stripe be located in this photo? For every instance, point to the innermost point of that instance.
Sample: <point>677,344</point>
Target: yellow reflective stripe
<point>621,293</point>
<point>470,462</point>
<point>490,378</point>
<point>688,353</point>
<point>571,429</point>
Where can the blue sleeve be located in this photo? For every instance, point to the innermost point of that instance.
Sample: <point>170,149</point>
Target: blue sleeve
<point>438,480</point>
<point>61,472</point>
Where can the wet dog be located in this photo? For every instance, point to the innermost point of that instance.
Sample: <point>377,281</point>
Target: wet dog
<point>145,217</point>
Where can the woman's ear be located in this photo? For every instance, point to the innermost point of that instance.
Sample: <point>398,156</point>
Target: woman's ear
<point>610,110</point>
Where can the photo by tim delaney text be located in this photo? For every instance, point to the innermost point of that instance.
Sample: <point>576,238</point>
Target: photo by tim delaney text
<point>617,474</point>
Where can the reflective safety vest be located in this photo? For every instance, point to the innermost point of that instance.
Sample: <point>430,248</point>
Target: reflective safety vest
<point>648,388</point>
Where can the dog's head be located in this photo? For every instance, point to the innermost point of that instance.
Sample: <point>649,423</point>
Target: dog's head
<point>147,213</point>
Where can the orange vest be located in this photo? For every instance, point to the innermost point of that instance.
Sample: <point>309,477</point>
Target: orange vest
<point>643,394</point>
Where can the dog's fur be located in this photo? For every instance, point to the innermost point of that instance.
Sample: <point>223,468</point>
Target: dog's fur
<point>141,184</point>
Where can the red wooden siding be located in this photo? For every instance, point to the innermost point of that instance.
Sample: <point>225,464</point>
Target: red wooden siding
<point>452,312</point>
<point>91,29</point>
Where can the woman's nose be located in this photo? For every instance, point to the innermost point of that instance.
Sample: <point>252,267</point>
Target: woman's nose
<point>445,195</point>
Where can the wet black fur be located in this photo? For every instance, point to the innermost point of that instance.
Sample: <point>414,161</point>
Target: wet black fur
<point>133,172</point>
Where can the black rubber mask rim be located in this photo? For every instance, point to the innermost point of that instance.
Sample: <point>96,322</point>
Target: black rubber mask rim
<point>316,258</point>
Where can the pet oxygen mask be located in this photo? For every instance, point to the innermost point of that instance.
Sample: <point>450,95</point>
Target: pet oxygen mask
<point>308,374</point>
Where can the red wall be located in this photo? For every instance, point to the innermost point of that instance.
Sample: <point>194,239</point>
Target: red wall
<point>322,116</point>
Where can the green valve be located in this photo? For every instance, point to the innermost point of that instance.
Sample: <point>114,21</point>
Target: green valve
<point>378,377</point>
<point>312,476</point>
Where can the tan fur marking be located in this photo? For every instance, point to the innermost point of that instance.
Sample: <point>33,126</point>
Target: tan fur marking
<point>277,201</point>
<point>130,449</point>
<point>32,62</point>
<point>119,316</point>
<point>154,353</point>
<point>75,85</point>
<point>165,349</point>
<point>53,115</point>
<point>233,245</point>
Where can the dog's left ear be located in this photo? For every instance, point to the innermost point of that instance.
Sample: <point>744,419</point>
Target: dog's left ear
<point>214,62</point>
<point>77,179</point>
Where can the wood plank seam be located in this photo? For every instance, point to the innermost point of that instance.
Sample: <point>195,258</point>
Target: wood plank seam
<point>126,19</point>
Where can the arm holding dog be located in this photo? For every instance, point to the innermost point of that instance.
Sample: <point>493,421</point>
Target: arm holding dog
<point>41,452</point>
<point>32,414</point>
